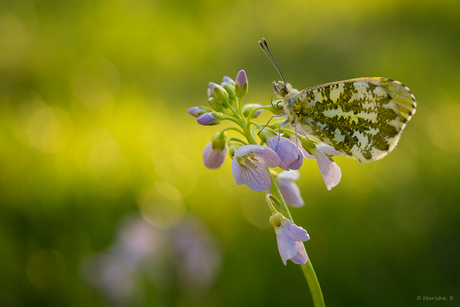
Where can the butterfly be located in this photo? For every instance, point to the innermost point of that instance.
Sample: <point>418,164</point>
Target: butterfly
<point>362,118</point>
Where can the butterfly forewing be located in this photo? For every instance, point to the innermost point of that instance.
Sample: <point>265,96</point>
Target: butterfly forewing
<point>362,118</point>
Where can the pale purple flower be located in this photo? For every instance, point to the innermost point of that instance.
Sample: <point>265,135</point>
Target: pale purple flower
<point>185,253</point>
<point>249,166</point>
<point>289,237</point>
<point>290,156</point>
<point>289,189</point>
<point>197,255</point>
<point>214,157</point>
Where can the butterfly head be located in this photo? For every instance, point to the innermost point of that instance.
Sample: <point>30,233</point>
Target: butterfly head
<point>282,88</point>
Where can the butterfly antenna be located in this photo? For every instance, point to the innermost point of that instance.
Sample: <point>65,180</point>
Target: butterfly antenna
<point>263,44</point>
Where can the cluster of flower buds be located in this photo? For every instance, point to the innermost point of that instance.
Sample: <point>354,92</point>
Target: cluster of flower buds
<point>252,163</point>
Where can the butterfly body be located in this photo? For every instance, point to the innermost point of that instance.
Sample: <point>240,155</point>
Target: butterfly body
<point>362,118</point>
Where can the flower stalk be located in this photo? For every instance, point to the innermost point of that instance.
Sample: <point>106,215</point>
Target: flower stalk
<point>254,161</point>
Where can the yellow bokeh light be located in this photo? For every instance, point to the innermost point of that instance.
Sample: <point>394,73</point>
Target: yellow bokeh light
<point>49,129</point>
<point>161,204</point>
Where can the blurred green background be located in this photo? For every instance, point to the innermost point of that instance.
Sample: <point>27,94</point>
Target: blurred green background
<point>94,128</point>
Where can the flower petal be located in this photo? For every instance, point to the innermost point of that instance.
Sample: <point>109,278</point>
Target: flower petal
<point>292,175</point>
<point>330,171</point>
<point>265,156</point>
<point>286,150</point>
<point>297,163</point>
<point>295,232</point>
<point>286,246</point>
<point>257,179</point>
<point>298,143</point>
<point>301,256</point>
<point>289,189</point>
<point>329,150</point>
<point>236,171</point>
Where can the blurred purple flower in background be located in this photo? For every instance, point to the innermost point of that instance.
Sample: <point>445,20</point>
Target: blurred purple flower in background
<point>184,254</point>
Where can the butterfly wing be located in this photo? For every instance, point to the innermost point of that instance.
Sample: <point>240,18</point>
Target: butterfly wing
<point>362,118</point>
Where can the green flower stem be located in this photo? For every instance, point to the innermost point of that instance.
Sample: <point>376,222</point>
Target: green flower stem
<point>239,105</point>
<point>234,139</point>
<point>232,128</point>
<point>236,121</point>
<point>313,283</point>
<point>257,125</point>
<point>307,269</point>
<point>255,110</point>
<point>277,193</point>
<point>248,134</point>
<point>240,121</point>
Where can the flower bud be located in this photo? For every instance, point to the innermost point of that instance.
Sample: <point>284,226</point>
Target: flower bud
<point>214,105</point>
<point>247,108</point>
<point>275,220</point>
<point>231,151</point>
<point>234,148</point>
<point>215,151</point>
<point>266,134</point>
<point>230,89</point>
<point>218,93</point>
<point>309,146</point>
<point>229,80</point>
<point>241,84</point>
<point>210,118</point>
<point>197,111</point>
<point>219,141</point>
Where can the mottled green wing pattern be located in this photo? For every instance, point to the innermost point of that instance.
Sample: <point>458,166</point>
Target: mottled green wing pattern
<point>362,118</point>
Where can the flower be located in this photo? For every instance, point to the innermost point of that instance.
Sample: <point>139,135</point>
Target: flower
<point>289,237</point>
<point>248,166</point>
<point>214,152</point>
<point>288,188</point>
<point>209,119</point>
<point>329,170</point>
<point>290,156</point>
<point>142,253</point>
